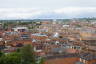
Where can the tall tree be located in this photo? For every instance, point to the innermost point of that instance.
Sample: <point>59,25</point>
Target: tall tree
<point>27,54</point>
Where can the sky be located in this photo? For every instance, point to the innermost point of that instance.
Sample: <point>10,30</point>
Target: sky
<point>47,8</point>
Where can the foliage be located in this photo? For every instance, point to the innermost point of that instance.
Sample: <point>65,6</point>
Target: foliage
<point>41,61</point>
<point>1,53</point>
<point>27,54</point>
<point>12,58</point>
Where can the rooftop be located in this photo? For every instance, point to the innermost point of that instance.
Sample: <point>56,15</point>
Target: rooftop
<point>38,34</point>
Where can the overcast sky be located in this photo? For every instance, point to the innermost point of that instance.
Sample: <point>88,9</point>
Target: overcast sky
<point>46,4</point>
<point>27,8</point>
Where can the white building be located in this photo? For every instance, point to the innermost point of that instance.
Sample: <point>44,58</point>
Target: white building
<point>20,29</point>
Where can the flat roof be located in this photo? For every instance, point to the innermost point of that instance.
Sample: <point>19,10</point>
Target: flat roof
<point>38,34</point>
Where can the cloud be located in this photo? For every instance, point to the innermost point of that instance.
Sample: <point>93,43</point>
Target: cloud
<point>27,13</point>
<point>18,13</point>
<point>75,10</point>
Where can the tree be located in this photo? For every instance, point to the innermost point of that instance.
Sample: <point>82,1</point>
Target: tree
<point>5,26</point>
<point>12,58</point>
<point>27,54</point>
<point>1,53</point>
<point>41,61</point>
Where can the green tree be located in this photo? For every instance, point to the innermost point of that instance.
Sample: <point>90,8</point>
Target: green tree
<point>5,25</point>
<point>41,61</point>
<point>1,53</point>
<point>12,58</point>
<point>27,54</point>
